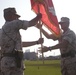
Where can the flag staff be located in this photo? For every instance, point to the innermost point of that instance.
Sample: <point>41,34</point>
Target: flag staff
<point>40,23</point>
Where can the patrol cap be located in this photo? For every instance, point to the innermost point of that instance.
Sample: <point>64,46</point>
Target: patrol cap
<point>64,19</point>
<point>10,10</point>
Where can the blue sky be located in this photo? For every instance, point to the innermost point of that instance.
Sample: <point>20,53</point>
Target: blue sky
<point>23,7</point>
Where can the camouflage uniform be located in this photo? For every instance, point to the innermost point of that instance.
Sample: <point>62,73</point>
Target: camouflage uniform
<point>11,45</point>
<point>0,62</point>
<point>0,53</point>
<point>11,40</point>
<point>68,62</point>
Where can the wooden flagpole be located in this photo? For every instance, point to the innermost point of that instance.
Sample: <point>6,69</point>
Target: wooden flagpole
<point>41,35</point>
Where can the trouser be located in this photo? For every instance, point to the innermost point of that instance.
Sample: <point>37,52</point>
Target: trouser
<point>1,73</point>
<point>0,68</point>
<point>69,69</point>
<point>12,72</point>
<point>8,67</point>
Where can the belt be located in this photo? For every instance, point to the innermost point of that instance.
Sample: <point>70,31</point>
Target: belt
<point>68,54</point>
<point>8,54</point>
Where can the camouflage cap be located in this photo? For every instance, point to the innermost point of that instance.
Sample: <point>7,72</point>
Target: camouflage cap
<point>11,10</point>
<point>64,19</point>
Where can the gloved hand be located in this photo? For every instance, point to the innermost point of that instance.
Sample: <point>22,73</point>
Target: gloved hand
<point>39,16</point>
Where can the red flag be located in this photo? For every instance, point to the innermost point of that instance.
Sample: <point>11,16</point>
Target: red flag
<point>46,8</point>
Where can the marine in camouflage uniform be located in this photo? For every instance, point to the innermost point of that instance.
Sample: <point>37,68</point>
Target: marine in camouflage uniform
<point>68,58</point>
<point>67,46</point>
<point>11,41</point>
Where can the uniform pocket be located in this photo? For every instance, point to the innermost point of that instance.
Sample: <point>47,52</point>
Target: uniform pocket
<point>8,62</point>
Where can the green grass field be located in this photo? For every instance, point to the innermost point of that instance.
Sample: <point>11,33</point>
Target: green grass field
<point>50,67</point>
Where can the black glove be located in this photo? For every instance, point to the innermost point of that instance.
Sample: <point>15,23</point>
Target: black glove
<point>39,16</point>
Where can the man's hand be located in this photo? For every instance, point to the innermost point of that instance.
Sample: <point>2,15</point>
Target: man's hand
<point>43,49</point>
<point>39,16</point>
<point>40,41</point>
<point>35,20</point>
<point>39,26</point>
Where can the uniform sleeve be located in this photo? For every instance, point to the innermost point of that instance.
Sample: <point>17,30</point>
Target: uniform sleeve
<point>25,24</point>
<point>69,37</point>
<point>21,24</point>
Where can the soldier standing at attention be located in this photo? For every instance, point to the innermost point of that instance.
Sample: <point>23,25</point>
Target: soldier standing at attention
<point>11,45</point>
